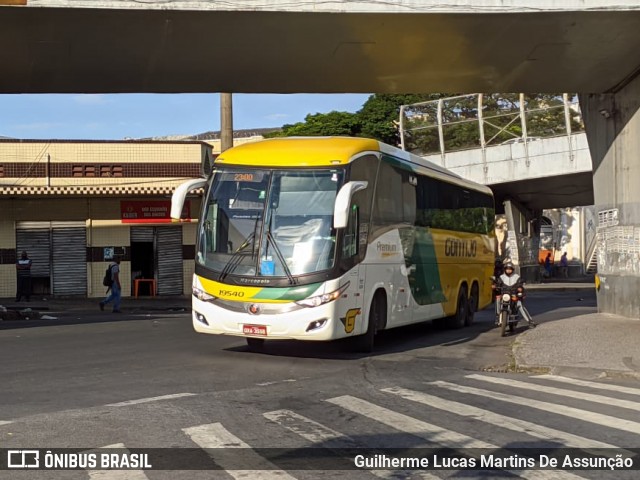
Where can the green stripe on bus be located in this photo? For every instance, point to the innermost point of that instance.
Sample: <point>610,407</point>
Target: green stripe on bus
<point>425,280</point>
<point>287,293</point>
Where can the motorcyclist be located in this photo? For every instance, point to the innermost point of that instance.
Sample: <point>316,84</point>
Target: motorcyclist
<point>510,278</point>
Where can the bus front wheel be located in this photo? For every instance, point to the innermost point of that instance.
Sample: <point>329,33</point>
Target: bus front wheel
<point>377,318</point>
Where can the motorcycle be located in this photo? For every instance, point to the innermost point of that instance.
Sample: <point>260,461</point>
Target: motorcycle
<point>507,297</point>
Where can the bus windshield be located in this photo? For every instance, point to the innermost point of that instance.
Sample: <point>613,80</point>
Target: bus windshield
<point>276,223</point>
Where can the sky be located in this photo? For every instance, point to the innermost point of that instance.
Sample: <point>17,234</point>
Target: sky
<point>120,116</point>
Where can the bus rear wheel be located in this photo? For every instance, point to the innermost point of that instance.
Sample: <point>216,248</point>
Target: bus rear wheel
<point>459,319</point>
<point>472,307</point>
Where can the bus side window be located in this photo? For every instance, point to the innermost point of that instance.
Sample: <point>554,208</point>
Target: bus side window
<point>350,236</point>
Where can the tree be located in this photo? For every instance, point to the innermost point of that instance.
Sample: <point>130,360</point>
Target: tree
<point>380,114</point>
<point>322,124</point>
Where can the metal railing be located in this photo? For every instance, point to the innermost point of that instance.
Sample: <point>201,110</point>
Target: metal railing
<point>483,120</point>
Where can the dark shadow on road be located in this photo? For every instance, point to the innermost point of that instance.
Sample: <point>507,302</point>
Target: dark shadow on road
<point>422,335</point>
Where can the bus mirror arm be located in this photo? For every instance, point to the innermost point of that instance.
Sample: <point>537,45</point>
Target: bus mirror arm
<point>343,200</point>
<point>180,193</point>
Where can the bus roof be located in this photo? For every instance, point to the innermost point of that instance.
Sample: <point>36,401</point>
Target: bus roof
<point>326,152</point>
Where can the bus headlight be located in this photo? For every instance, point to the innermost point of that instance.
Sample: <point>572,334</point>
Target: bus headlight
<point>322,299</point>
<point>202,295</point>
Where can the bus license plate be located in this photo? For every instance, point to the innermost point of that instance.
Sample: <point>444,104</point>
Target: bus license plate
<point>254,330</point>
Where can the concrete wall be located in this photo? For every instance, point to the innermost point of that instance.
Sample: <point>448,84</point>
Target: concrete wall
<point>542,158</point>
<point>613,128</point>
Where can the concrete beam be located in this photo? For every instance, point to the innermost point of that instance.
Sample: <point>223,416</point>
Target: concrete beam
<point>252,47</point>
<point>407,6</point>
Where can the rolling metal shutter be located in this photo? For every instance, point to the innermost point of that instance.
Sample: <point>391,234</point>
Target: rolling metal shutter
<point>169,255</point>
<point>142,234</point>
<point>69,261</point>
<point>37,242</point>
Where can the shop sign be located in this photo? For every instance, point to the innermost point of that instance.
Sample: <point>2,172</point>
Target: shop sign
<point>151,211</point>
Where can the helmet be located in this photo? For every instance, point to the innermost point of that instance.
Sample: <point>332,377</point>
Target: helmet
<point>508,266</point>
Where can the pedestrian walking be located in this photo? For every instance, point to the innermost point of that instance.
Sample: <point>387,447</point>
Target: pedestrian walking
<point>115,287</point>
<point>23,271</point>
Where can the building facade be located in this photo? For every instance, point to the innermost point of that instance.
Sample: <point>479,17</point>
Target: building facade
<point>73,205</point>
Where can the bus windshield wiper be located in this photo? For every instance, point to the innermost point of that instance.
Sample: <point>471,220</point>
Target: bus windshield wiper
<point>276,248</point>
<point>236,259</point>
<point>285,267</point>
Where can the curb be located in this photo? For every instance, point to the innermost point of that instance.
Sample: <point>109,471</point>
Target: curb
<point>564,288</point>
<point>593,373</point>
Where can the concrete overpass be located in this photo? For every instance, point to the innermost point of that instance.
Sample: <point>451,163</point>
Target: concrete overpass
<point>534,153</point>
<point>531,150</point>
<point>255,46</point>
<point>362,46</point>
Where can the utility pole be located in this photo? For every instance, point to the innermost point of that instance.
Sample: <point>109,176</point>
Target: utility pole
<point>226,122</point>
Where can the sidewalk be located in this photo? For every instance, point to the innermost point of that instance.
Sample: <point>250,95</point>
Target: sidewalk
<point>79,306</point>
<point>597,345</point>
<point>564,284</point>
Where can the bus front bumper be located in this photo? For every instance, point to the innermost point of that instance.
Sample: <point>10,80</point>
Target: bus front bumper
<point>317,323</point>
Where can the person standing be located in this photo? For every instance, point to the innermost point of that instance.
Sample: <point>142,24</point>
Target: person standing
<point>23,270</point>
<point>547,265</point>
<point>564,266</point>
<point>115,288</point>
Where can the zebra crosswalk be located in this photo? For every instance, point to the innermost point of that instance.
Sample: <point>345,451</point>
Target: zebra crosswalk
<point>438,415</point>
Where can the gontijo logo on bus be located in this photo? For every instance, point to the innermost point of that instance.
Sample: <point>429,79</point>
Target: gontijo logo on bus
<point>454,247</point>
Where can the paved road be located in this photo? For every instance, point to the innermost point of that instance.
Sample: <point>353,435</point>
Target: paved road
<point>152,382</point>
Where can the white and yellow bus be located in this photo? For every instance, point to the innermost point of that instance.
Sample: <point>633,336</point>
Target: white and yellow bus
<point>325,238</point>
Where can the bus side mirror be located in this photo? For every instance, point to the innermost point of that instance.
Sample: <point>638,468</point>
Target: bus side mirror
<point>343,199</point>
<point>180,193</point>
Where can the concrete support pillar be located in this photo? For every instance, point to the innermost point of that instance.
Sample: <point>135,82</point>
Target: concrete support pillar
<point>523,239</point>
<point>612,123</point>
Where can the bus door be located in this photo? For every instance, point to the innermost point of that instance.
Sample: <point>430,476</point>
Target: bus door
<point>350,255</point>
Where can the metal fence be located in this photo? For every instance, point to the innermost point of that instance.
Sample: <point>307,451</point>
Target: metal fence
<point>483,120</point>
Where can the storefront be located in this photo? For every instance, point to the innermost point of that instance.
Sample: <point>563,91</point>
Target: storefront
<point>73,226</point>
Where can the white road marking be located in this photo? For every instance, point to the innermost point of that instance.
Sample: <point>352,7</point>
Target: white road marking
<point>150,399</point>
<point>584,383</point>
<point>265,384</point>
<point>116,474</point>
<point>575,413</point>
<point>590,397</point>
<point>503,421</point>
<point>316,433</point>
<point>432,433</point>
<point>214,435</point>
<point>5,422</point>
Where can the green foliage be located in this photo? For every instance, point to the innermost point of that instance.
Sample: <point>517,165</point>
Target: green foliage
<point>322,124</point>
<point>378,119</point>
